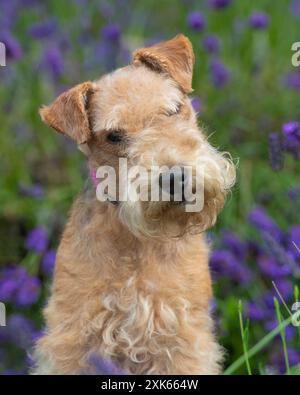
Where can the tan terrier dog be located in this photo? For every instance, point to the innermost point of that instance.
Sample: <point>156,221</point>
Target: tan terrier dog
<point>132,282</point>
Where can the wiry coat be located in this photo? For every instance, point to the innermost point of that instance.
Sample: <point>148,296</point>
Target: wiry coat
<point>132,282</point>
<point>143,304</point>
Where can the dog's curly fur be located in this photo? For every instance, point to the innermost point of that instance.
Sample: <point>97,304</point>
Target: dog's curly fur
<point>132,282</point>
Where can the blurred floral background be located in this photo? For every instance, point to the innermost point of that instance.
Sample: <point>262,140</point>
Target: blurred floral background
<point>246,93</point>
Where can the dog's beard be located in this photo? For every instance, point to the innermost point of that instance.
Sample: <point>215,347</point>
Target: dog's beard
<point>165,219</point>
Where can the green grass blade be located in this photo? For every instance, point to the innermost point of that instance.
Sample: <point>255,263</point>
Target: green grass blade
<point>258,347</point>
<point>244,335</point>
<point>282,335</point>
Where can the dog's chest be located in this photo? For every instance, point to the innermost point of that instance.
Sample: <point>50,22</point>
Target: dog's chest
<point>134,322</point>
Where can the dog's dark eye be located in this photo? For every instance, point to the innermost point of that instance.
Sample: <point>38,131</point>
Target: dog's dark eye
<point>115,137</point>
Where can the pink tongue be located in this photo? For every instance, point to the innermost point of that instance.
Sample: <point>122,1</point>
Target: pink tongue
<point>93,177</point>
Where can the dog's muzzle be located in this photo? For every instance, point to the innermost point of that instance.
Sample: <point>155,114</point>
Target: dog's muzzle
<point>173,184</point>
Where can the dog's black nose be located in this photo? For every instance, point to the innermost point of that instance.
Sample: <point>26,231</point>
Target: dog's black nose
<point>172,182</point>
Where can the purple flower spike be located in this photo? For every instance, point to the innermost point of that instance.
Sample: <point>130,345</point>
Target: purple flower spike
<point>11,279</point>
<point>53,61</point>
<point>295,8</point>
<point>21,331</point>
<point>291,143</point>
<point>42,30</point>
<point>275,151</point>
<point>224,263</point>
<point>272,269</point>
<point>101,366</point>
<point>285,288</point>
<point>290,331</point>
<point>294,193</point>
<point>260,219</point>
<point>294,237</point>
<point>197,104</point>
<point>196,21</point>
<point>37,240</point>
<point>7,289</point>
<point>48,262</point>
<point>111,32</point>
<point>35,191</point>
<point>13,48</point>
<point>291,128</point>
<point>219,4</point>
<point>255,312</point>
<point>235,244</point>
<point>293,80</point>
<point>211,44</point>
<point>259,20</point>
<point>29,292</point>
<point>219,73</point>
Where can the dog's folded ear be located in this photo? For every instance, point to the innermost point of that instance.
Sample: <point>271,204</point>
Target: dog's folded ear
<point>69,113</point>
<point>174,57</point>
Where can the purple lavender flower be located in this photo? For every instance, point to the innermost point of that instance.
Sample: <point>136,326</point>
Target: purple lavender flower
<point>53,60</point>
<point>219,73</point>
<point>7,289</point>
<point>272,269</point>
<point>294,193</point>
<point>29,3</point>
<point>295,8</point>
<point>294,356</point>
<point>42,30</point>
<point>224,263</point>
<point>278,359</point>
<point>35,191</point>
<point>197,104</point>
<point>213,305</point>
<point>13,47</point>
<point>196,21</point>
<point>276,250</point>
<point>211,44</point>
<point>29,292</point>
<point>291,128</point>
<point>13,372</point>
<point>37,240</point>
<point>290,331</point>
<point>255,312</point>
<point>293,80</point>
<point>260,219</point>
<point>111,32</point>
<point>285,287</point>
<point>48,262</point>
<point>275,151</point>
<point>259,20</point>
<point>101,366</point>
<point>291,142</point>
<point>268,298</point>
<point>219,4</point>
<point>235,244</point>
<point>294,237</point>
<point>8,15</point>
<point>253,248</point>
<point>21,331</point>
<point>11,279</point>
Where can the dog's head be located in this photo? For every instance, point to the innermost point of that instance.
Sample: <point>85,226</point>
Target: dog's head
<point>142,113</point>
